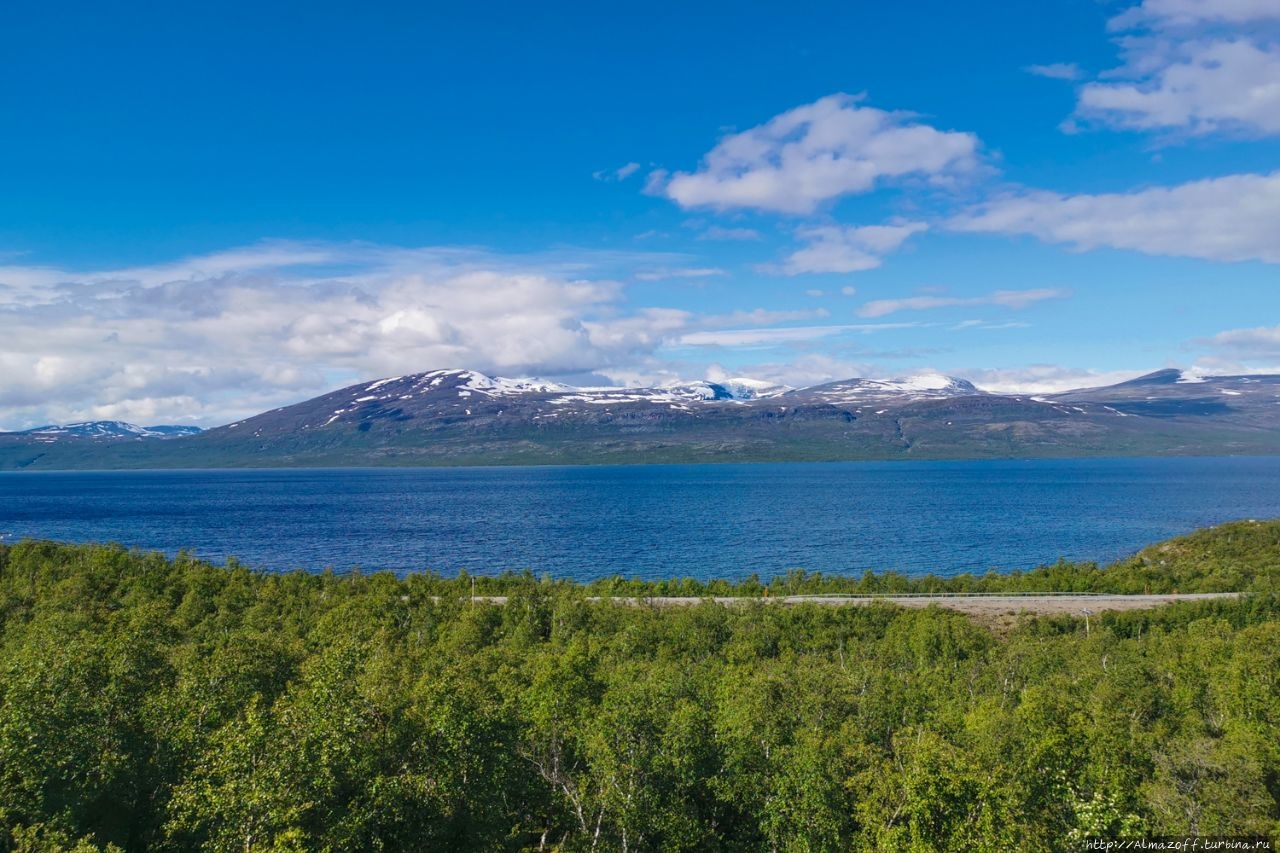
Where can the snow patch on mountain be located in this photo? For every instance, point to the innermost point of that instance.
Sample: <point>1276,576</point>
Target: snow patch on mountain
<point>459,384</point>
<point>924,386</point>
<point>744,388</point>
<point>923,382</point>
<point>498,386</point>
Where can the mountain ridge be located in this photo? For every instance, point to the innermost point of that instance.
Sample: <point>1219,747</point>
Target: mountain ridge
<point>463,417</point>
<point>106,430</point>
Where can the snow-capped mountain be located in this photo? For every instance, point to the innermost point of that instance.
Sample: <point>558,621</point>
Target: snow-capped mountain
<point>1177,384</point>
<point>924,386</point>
<point>106,430</point>
<point>466,415</point>
<point>472,394</point>
<point>743,388</point>
<point>1179,394</point>
<point>469,399</point>
<point>462,417</point>
<point>466,383</point>
<point>171,431</point>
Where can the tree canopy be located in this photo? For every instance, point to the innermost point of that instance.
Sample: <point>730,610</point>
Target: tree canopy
<point>167,704</point>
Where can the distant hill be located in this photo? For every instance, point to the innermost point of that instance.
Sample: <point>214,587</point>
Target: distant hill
<point>104,429</point>
<point>461,417</point>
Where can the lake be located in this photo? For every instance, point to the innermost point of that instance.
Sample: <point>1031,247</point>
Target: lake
<point>701,521</point>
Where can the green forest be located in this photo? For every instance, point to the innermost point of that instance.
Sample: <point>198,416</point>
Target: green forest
<point>149,703</point>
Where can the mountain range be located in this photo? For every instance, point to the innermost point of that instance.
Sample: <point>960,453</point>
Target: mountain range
<point>462,417</point>
<point>102,429</point>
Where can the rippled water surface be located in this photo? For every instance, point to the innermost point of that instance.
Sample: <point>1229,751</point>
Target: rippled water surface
<point>701,521</point>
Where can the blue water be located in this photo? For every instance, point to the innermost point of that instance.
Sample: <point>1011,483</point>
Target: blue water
<point>699,521</point>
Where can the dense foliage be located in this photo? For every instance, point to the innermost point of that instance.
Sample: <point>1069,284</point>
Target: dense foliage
<point>1240,557</point>
<point>163,704</point>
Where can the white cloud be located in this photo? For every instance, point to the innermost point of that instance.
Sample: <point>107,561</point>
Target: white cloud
<point>815,153</point>
<point>839,249</point>
<point>1198,87</point>
<point>715,232</point>
<point>1056,71</point>
<point>222,336</point>
<point>984,325</point>
<point>655,182</point>
<point>663,273</point>
<point>1262,342</point>
<point>1044,378</point>
<point>619,174</point>
<point>1187,13</point>
<point>760,317</point>
<point>800,372</point>
<point>27,285</point>
<point>789,334</point>
<point>1190,68</point>
<point>1234,218</point>
<point>1015,299</point>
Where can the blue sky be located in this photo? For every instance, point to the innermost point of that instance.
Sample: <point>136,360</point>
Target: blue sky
<point>210,211</point>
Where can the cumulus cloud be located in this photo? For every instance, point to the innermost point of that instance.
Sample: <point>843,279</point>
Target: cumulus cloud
<point>1262,342</point>
<point>1045,378</point>
<point>219,337</point>
<point>1191,67</point>
<point>1015,299</point>
<point>224,335</point>
<point>840,249</point>
<point>1198,87</point>
<point>1233,218</point>
<point>1187,13</point>
<point>815,153</point>
<point>800,372</point>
